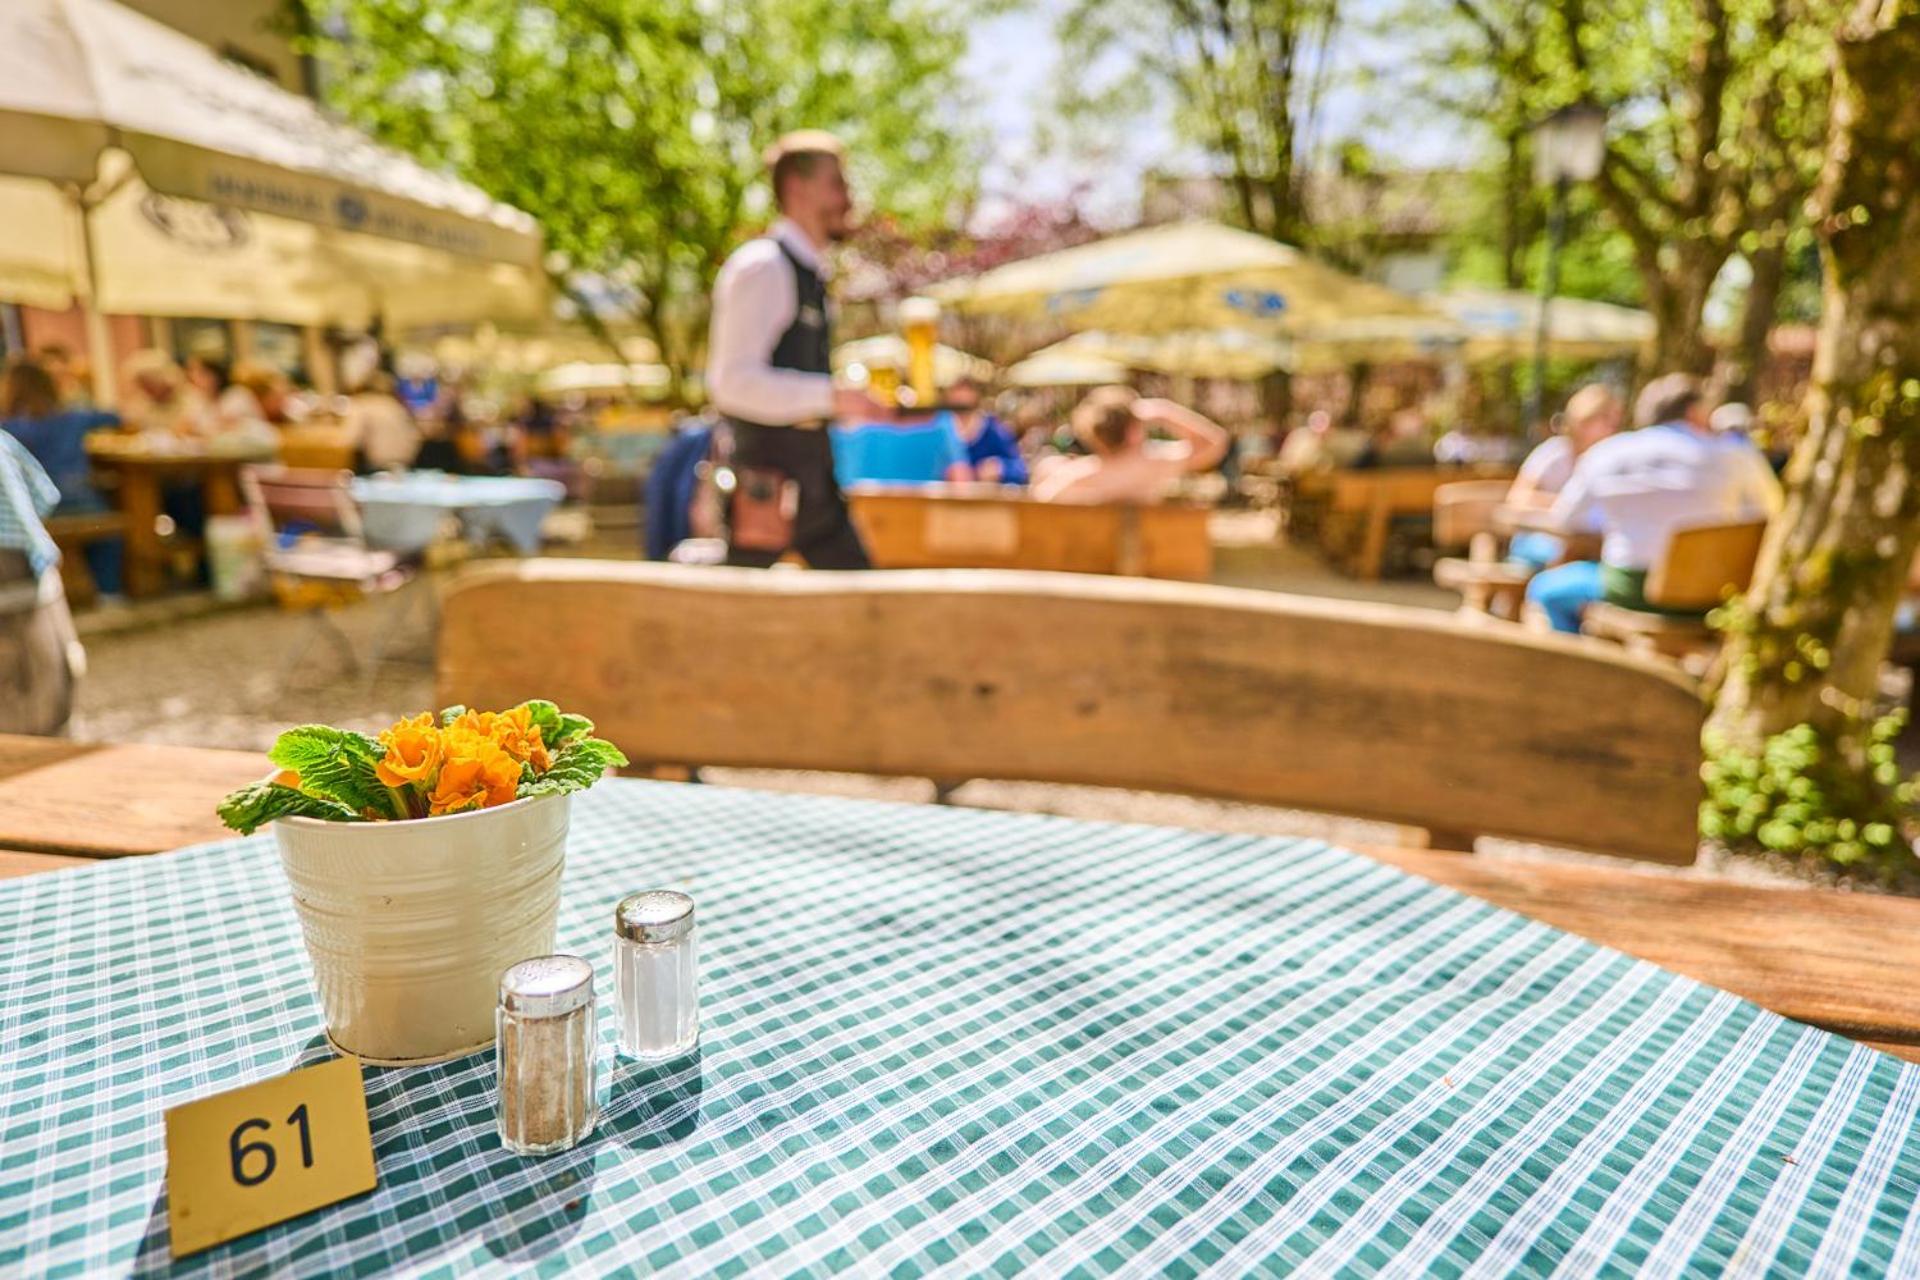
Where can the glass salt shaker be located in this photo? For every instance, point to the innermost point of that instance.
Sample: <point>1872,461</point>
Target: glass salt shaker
<point>548,1034</point>
<point>655,977</point>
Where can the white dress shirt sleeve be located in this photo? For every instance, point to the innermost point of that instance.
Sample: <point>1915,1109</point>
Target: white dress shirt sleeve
<point>1573,508</point>
<point>755,299</point>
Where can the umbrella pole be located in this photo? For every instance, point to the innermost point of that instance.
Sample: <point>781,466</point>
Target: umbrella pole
<point>99,333</point>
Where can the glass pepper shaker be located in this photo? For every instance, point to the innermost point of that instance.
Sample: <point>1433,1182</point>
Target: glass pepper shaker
<point>548,1034</point>
<point>655,977</point>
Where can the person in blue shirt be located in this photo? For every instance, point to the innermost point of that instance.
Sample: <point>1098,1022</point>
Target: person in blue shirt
<point>55,437</point>
<point>903,452</point>
<point>992,450</point>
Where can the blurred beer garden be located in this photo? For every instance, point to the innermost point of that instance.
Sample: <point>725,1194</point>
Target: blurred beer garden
<point>1533,390</point>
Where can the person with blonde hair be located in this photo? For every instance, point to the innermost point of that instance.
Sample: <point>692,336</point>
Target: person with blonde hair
<point>1592,414</point>
<point>1122,463</point>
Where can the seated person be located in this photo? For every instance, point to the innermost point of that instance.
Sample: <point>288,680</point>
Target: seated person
<point>926,451</point>
<point>1122,464</point>
<point>1592,414</point>
<point>1400,442</point>
<point>383,432</point>
<point>992,451</point>
<point>1641,486</point>
<point>1305,447</point>
<point>160,401</point>
<point>55,437</point>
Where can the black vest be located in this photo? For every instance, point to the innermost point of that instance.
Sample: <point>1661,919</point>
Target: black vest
<point>807,345</point>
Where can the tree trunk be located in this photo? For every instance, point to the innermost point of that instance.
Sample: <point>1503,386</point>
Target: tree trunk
<point>1678,300</point>
<point>1806,646</point>
<point>1749,356</point>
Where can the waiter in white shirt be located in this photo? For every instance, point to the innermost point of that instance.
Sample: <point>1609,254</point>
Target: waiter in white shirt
<point>769,369</point>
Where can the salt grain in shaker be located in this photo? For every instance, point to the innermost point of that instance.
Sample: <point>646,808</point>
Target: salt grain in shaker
<point>654,974</point>
<point>547,1039</point>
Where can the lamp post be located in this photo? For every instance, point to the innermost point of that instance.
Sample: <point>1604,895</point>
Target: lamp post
<point>1569,146</point>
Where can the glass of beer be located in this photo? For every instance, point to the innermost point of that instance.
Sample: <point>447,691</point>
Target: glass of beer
<point>920,325</point>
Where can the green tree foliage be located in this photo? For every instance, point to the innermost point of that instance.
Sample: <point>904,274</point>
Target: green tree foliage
<point>633,128</point>
<point>1245,79</point>
<point>1718,111</point>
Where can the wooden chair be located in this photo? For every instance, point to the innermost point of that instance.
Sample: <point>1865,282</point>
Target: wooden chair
<point>1372,710</point>
<point>985,527</point>
<point>1463,516</point>
<point>73,534</point>
<point>325,445</point>
<point>317,557</point>
<point>1702,567</point>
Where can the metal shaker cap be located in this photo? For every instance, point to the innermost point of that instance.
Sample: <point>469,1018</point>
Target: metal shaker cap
<point>658,915</point>
<point>547,986</point>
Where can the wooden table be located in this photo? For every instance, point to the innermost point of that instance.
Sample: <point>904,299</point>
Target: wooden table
<point>1843,961</point>
<point>138,473</point>
<point>1361,507</point>
<point>95,800</point>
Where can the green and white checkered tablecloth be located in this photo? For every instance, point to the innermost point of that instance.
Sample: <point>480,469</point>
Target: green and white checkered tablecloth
<point>963,1042</point>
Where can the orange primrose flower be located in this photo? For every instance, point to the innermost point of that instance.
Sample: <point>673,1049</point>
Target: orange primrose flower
<point>414,751</point>
<point>474,774</point>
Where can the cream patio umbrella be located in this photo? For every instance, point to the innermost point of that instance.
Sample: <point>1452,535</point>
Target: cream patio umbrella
<point>1499,324</point>
<point>1190,276</point>
<point>180,184</point>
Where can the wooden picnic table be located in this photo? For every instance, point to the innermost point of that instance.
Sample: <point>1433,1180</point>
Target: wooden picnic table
<point>138,473</point>
<point>1841,961</point>
<point>1363,504</point>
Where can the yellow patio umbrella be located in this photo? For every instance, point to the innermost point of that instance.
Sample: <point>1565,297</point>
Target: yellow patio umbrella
<point>1069,363</point>
<point>182,184</point>
<point>1499,324</point>
<point>950,364</point>
<point>1198,276</point>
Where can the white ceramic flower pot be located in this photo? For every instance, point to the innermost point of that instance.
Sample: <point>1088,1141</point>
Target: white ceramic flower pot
<point>410,924</point>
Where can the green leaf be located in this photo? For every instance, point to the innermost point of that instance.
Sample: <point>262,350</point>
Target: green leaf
<point>576,766</point>
<point>449,714</point>
<point>546,718</point>
<point>556,728</point>
<point>337,764</point>
<point>255,805</point>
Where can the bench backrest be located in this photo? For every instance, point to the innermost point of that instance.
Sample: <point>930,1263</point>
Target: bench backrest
<point>1371,710</point>
<point>1705,563</point>
<point>979,527</point>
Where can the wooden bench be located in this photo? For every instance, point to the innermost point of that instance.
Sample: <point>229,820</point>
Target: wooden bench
<point>1370,710</point>
<point>1702,567</point>
<point>73,534</point>
<point>1361,507</point>
<point>985,527</point>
